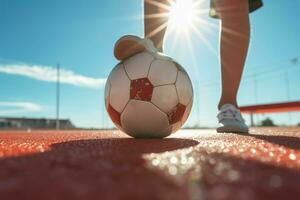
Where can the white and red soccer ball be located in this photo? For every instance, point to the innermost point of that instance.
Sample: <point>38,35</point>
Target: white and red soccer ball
<point>148,95</point>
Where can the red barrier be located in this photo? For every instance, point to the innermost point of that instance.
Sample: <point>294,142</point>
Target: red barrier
<point>271,108</point>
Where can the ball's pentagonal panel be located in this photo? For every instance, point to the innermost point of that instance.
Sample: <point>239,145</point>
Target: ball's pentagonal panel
<point>119,88</point>
<point>162,72</point>
<point>165,97</point>
<point>106,93</point>
<point>141,89</point>
<point>187,112</point>
<point>176,114</point>
<point>114,115</point>
<point>143,119</point>
<point>138,65</point>
<point>184,88</point>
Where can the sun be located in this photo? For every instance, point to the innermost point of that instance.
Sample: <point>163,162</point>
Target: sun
<point>183,14</point>
<point>187,21</point>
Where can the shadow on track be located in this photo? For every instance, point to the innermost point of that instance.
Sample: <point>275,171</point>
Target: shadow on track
<point>287,141</point>
<point>115,168</point>
<point>108,169</point>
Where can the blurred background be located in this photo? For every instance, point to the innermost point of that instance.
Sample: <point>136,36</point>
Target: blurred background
<point>40,39</point>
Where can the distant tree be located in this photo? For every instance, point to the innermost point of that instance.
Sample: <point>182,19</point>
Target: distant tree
<point>298,124</point>
<point>267,122</point>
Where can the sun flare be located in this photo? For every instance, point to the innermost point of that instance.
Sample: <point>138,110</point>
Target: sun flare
<point>183,14</point>
<point>187,20</point>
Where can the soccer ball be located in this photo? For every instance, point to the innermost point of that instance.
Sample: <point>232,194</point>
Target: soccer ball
<point>148,96</point>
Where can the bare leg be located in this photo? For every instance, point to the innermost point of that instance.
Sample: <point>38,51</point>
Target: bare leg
<point>235,34</point>
<point>155,25</point>
<point>156,19</point>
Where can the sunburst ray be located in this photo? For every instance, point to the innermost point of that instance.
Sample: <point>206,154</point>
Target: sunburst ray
<point>158,4</point>
<point>157,30</point>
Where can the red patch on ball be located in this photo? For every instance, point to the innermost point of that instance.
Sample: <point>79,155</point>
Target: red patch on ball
<point>141,89</point>
<point>114,115</point>
<point>175,115</point>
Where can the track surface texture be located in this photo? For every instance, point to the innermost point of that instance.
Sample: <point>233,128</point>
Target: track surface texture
<point>189,165</point>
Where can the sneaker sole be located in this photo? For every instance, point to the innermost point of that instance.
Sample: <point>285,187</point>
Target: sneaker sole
<point>231,129</point>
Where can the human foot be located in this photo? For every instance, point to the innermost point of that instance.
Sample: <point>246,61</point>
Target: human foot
<point>130,45</point>
<point>231,120</point>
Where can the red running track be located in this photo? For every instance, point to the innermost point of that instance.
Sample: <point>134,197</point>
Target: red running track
<point>195,164</point>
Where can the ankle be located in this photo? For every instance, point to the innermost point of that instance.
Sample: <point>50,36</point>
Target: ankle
<point>221,103</point>
<point>157,42</point>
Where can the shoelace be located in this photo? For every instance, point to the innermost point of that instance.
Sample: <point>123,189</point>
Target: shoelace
<point>230,113</point>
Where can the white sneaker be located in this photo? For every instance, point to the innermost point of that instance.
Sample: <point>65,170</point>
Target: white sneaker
<point>231,120</point>
<point>130,45</point>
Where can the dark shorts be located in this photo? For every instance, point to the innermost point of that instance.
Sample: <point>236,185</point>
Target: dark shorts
<point>253,5</point>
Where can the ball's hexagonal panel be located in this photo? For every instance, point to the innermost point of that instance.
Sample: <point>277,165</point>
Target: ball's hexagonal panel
<point>106,93</point>
<point>143,119</point>
<point>179,67</point>
<point>161,56</point>
<point>176,114</point>
<point>119,88</point>
<point>162,72</point>
<point>114,115</point>
<point>184,88</point>
<point>165,97</point>
<point>138,65</point>
<point>141,89</point>
<point>187,112</point>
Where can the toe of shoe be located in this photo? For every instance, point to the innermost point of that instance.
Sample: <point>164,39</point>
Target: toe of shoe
<point>127,46</point>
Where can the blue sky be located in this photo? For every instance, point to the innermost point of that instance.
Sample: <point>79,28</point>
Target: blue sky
<point>37,34</point>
